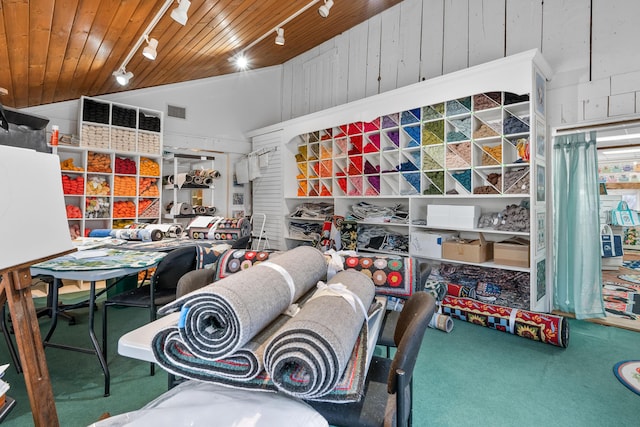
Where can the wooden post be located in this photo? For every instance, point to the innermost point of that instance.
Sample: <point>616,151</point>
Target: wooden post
<point>15,288</point>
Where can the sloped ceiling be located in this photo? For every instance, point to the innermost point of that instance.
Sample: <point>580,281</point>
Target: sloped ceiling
<point>57,50</point>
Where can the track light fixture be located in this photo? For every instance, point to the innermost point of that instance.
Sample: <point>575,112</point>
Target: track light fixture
<point>123,76</point>
<point>179,14</point>
<point>325,8</point>
<point>151,49</point>
<point>239,56</point>
<point>280,36</point>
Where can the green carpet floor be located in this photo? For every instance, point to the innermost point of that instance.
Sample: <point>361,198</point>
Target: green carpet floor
<point>472,376</point>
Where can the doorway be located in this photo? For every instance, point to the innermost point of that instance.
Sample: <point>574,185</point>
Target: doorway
<point>619,177</point>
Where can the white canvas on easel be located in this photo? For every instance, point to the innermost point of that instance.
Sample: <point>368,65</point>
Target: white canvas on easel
<point>33,218</point>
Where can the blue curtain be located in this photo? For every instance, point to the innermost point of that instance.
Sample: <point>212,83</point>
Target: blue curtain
<point>577,285</point>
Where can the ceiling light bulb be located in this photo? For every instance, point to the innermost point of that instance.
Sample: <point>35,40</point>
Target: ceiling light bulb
<point>280,36</point>
<point>242,62</point>
<point>123,77</point>
<point>179,14</point>
<point>324,9</point>
<point>151,49</point>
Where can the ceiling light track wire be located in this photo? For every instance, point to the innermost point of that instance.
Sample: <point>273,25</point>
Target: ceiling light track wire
<point>240,54</point>
<point>182,5</point>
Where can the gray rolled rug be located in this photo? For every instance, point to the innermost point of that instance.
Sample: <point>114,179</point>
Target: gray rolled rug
<point>220,318</point>
<point>308,355</point>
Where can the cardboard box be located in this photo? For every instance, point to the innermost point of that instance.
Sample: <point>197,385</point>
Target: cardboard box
<point>513,252</point>
<point>453,216</point>
<point>429,245</point>
<point>468,250</point>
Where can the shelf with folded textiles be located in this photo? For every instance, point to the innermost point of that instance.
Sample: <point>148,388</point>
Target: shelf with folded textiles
<point>188,183</point>
<point>452,142</point>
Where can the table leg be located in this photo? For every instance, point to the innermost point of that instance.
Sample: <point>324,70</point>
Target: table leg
<point>54,311</point>
<point>94,339</point>
<point>92,335</point>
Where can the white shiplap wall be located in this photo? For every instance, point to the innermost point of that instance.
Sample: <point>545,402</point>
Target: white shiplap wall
<point>267,193</point>
<point>590,44</point>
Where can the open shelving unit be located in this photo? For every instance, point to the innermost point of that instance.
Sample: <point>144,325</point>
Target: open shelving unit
<point>477,137</point>
<point>113,177</point>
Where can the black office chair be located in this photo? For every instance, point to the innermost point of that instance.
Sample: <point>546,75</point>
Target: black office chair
<point>160,290</point>
<point>388,392</point>
<point>242,243</point>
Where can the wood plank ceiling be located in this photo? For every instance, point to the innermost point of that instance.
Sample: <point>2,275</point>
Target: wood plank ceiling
<point>58,50</point>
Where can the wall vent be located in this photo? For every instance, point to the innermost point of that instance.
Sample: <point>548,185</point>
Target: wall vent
<point>177,112</point>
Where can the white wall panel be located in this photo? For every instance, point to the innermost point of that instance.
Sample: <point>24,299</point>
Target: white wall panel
<point>456,35</point>
<point>559,111</point>
<point>341,88</point>
<point>287,90</point>
<point>372,84</point>
<point>523,25</point>
<point>432,38</point>
<point>486,31</point>
<point>623,83</point>
<point>299,93</point>
<point>596,108</point>
<point>389,48</point>
<point>622,104</point>
<point>357,61</point>
<point>616,34</point>
<point>268,194</point>
<point>409,49</point>
<point>320,73</point>
<point>565,40</point>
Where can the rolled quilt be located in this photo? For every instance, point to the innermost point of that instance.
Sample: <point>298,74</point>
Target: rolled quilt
<point>306,358</point>
<point>218,319</point>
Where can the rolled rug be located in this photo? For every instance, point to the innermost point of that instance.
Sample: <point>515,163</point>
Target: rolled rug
<point>243,365</point>
<point>218,319</point>
<point>547,328</point>
<point>307,357</point>
<point>441,322</point>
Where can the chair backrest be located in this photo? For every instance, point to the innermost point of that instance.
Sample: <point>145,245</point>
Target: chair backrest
<point>173,266</point>
<point>242,243</point>
<point>412,323</point>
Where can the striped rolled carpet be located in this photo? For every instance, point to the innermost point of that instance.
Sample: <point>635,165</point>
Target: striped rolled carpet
<point>307,357</point>
<point>218,319</point>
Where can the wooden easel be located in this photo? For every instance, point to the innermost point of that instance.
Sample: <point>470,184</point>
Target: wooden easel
<point>15,288</point>
<point>22,246</point>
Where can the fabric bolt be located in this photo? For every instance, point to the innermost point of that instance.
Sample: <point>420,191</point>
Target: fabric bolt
<point>308,356</point>
<point>394,137</point>
<point>390,121</point>
<point>411,116</point>
<point>218,319</point>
